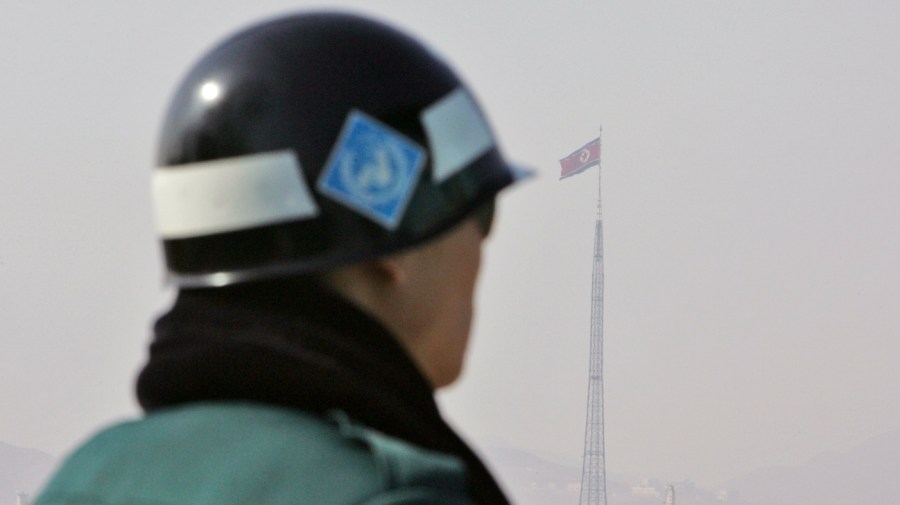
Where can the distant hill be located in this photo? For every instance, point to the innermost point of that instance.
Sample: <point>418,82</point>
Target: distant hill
<point>22,470</point>
<point>866,474</point>
<point>532,480</point>
<point>869,473</point>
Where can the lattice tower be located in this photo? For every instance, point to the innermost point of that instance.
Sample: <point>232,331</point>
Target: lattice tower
<point>593,473</point>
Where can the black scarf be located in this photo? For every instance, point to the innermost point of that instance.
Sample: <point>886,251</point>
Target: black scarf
<point>296,345</point>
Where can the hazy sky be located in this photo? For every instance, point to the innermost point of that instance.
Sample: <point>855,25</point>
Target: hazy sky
<point>751,202</point>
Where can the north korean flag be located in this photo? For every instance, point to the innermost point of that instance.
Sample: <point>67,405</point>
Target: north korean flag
<point>581,159</point>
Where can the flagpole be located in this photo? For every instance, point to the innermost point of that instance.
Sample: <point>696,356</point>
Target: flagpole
<point>597,323</point>
<point>599,172</point>
<point>593,473</point>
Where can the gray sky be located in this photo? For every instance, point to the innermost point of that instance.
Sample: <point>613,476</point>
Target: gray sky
<point>750,194</point>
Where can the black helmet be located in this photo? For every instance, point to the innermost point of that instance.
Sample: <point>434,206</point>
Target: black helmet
<point>312,141</point>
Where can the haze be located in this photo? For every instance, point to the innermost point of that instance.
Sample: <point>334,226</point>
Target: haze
<point>750,192</point>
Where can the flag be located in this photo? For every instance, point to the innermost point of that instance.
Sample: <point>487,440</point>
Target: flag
<point>581,160</point>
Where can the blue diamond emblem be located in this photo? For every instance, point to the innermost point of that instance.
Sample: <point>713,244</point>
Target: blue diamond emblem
<point>373,169</point>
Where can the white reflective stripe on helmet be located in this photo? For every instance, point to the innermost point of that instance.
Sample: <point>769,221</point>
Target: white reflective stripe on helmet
<point>457,132</point>
<point>230,194</point>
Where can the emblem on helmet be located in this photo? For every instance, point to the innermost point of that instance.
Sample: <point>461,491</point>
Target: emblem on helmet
<point>372,170</point>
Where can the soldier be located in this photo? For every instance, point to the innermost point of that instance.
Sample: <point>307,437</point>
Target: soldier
<point>325,183</point>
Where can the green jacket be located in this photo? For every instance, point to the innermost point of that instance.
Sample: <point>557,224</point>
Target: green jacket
<point>251,454</point>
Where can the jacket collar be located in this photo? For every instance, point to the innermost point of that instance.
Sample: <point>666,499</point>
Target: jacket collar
<point>298,345</point>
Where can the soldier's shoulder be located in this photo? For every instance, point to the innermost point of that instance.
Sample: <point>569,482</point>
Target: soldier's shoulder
<point>233,452</point>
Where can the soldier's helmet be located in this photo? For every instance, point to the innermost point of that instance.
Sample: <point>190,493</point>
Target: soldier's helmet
<point>315,140</point>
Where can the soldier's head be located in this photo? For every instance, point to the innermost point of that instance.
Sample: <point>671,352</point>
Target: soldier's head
<point>335,146</point>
